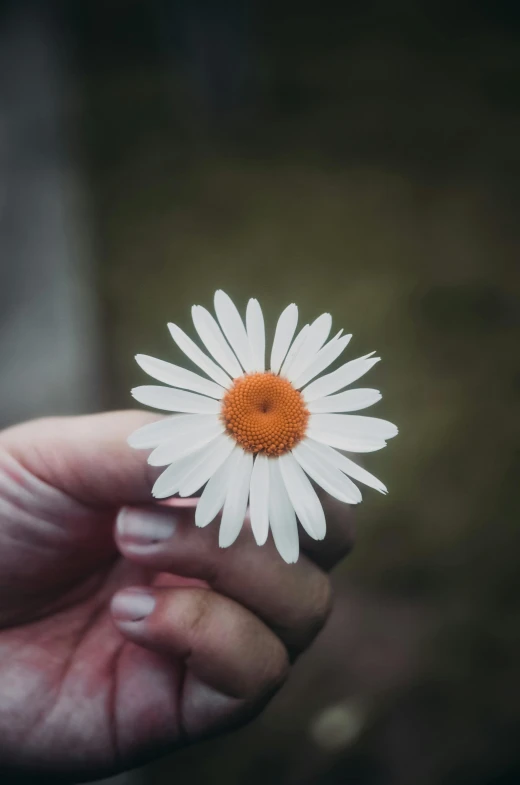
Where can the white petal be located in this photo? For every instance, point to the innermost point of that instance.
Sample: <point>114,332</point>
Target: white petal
<point>178,377</point>
<point>190,440</point>
<point>169,481</point>
<point>156,432</point>
<point>349,401</point>
<point>295,348</point>
<point>197,356</point>
<point>330,352</point>
<point>344,464</point>
<point>303,497</point>
<point>353,443</point>
<point>355,425</point>
<point>332,382</point>
<point>169,428</point>
<point>172,400</point>
<point>259,499</point>
<point>314,340</point>
<point>214,341</point>
<point>283,336</point>
<point>256,335</point>
<point>236,500</point>
<point>327,476</point>
<point>214,494</point>
<point>233,328</point>
<point>282,516</point>
<point>212,457</point>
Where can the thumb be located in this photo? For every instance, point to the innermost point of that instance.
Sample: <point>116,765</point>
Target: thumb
<point>86,457</point>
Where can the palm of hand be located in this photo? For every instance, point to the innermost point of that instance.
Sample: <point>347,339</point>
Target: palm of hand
<point>75,694</point>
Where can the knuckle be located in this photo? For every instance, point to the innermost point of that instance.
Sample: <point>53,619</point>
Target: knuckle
<point>212,568</point>
<point>277,667</point>
<point>312,615</point>
<point>321,603</point>
<point>317,611</point>
<point>197,612</point>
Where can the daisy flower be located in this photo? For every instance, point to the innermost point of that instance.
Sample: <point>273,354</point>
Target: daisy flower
<point>256,432</point>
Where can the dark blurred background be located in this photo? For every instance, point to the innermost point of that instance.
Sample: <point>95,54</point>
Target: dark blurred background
<point>356,157</point>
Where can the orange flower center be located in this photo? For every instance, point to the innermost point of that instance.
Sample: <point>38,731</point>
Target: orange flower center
<point>264,413</point>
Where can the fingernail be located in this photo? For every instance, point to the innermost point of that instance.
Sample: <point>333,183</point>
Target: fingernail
<point>145,527</point>
<point>132,605</point>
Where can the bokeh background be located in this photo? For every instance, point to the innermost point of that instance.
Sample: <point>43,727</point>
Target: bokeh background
<point>356,157</point>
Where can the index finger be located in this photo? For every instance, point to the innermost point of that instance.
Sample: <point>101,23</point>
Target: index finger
<point>86,457</point>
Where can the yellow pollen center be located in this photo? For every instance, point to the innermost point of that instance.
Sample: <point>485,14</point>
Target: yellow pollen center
<point>264,413</point>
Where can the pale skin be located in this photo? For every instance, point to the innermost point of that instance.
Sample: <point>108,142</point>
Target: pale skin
<point>124,636</point>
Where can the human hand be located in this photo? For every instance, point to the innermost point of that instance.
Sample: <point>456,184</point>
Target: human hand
<point>117,649</point>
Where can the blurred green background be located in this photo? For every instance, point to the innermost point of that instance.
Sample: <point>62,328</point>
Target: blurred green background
<point>359,158</point>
